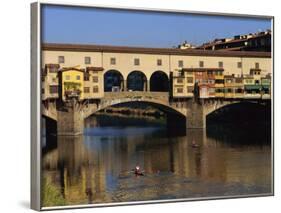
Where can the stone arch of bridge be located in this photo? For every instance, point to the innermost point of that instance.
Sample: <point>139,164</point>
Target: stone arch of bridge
<point>113,80</point>
<point>166,108</point>
<point>159,81</point>
<point>137,81</point>
<point>214,107</point>
<point>235,105</point>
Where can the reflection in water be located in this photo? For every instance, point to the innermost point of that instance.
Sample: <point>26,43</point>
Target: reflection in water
<point>96,167</point>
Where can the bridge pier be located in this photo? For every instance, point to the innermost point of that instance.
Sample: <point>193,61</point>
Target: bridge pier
<point>176,123</point>
<point>70,119</point>
<point>195,116</point>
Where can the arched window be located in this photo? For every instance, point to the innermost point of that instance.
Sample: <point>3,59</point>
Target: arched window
<point>113,81</point>
<point>136,81</point>
<point>159,82</point>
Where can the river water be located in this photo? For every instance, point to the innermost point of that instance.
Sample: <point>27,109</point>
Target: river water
<point>96,167</point>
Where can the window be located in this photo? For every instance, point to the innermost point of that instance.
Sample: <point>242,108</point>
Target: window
<point>239,64</point>
<point>180,63</point>
<point>219,81</point>
<point>228,81</point>
<point>95,79</point>
<point>220,64</point>
<point>53,68</point>
<point>201,63</point>
<point>136,61</point>
<point>112,61</point>
<point>190,89</point>
<point>179,90</point>
<point>77,77</point>
<point>42,90</point>
<point>219,90</point>
<point>95,89</point>
<point>86,76</point>
<point>87,60</point>
<point>53,89</point>
<point>238,80</point>
<point>249,81</point>
<point>159,62</point>
<point>239,90</point>
<point>61,59</point>
<point>179,80</point>
<point>67,77</point>
<point>257,65</point>
<point>86,89</point>
<point>190,80</point>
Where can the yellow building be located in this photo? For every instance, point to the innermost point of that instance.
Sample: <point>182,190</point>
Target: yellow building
<point>239,87</point>
<point>229,84</point>
<point>72,83</point>
<point>183,83</point>
<point>219,83</point>
<point>251,90</point>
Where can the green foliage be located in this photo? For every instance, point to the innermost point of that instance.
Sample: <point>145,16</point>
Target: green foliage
<point>51,195</point>
<point>72,85</point>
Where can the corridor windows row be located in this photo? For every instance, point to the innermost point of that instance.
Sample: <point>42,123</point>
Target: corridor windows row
<point>136,62</point>
<point>220,64</point>
<point>87,60</point>
<point>201,64</point>
<point>159,62</point>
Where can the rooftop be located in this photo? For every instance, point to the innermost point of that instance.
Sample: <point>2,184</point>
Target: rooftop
<point>149,50</point>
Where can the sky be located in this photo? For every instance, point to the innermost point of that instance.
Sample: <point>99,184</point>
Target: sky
<point>61,24</point>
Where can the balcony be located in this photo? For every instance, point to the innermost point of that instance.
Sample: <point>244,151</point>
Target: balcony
<point>72,93</point>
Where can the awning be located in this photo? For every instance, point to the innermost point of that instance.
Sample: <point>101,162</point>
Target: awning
<point>266,86</point>
<point>252,86</point>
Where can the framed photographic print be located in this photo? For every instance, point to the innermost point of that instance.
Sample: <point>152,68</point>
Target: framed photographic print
<point>137,105</point>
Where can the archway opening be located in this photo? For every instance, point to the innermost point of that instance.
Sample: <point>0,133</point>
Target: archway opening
<point>139,113</point>
<point>159,82</point>
<point>113,81</point>
<point>137,81</point>
<point>241,123</point>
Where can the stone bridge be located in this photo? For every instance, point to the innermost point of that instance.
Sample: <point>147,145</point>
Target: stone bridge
<point>188,112</point>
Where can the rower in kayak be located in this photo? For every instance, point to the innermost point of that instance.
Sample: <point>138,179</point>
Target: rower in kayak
<point>138,172</point>
<point>194,145</point>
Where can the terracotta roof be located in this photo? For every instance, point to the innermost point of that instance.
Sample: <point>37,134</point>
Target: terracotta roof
<point>224,42</point>
<point>229,76</point>
<point>94,69</point>
<point>52,65</point>
<point>234,40</point>
<point>201,69</point>
<point>148,50</point>
<point>71,68</point>
<point>255,69</point>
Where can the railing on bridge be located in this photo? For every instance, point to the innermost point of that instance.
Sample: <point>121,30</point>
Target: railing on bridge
<point>138,95</point>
